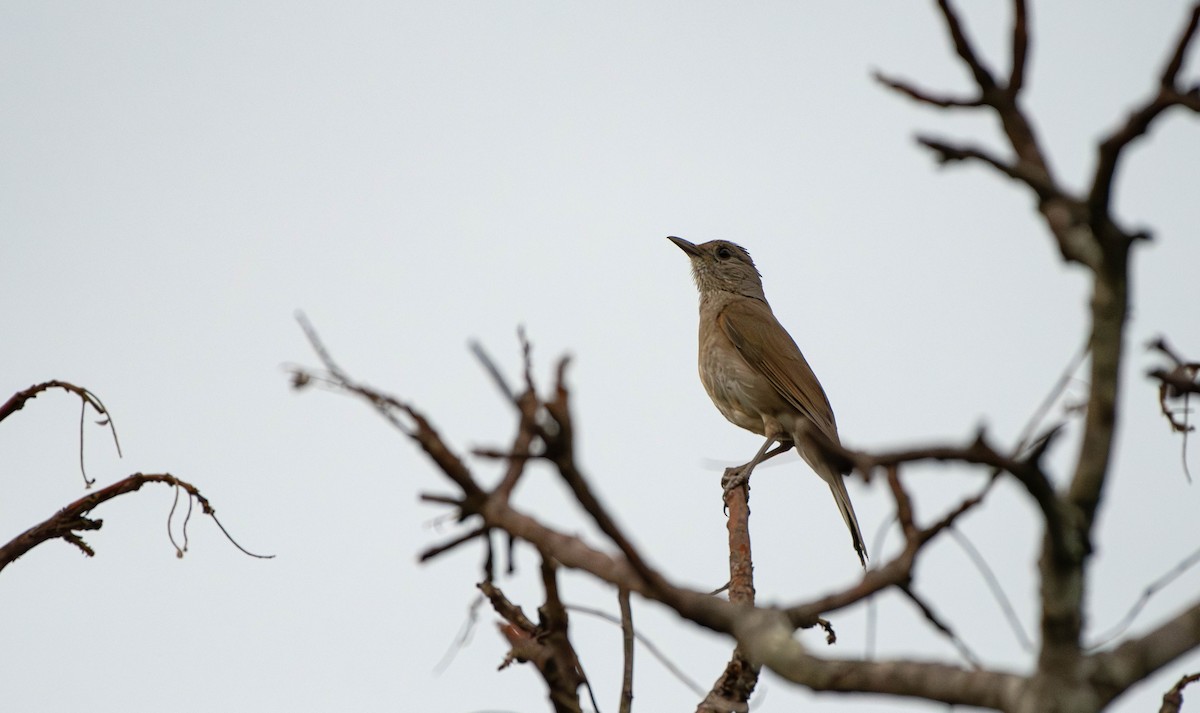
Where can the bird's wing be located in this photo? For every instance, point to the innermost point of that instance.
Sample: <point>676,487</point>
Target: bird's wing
<point>765,345</point>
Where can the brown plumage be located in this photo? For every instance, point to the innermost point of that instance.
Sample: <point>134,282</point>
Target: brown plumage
<point>754,372</point>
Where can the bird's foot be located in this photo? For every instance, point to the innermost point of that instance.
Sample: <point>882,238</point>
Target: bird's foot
<point>733,479</point>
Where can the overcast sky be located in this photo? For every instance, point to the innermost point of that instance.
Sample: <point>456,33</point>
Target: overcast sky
<point>177,179</point>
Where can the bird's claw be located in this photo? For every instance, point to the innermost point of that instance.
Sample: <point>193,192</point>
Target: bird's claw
<point>733,479</point>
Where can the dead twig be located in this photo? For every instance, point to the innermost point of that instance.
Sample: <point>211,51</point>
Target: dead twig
<point>1181,380</point>
<point>649,645</point>
<point>72,519</point>
<point>626,704</point>
<point>1151,589</point>
<point>18,400</point>
<point>546,644</point>
<point>1173,699</point>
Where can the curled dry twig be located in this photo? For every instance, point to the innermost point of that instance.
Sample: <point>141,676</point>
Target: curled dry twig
<point>74,518</point>
<point>18,400</point>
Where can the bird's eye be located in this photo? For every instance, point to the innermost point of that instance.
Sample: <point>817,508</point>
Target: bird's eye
<point>724,253</point>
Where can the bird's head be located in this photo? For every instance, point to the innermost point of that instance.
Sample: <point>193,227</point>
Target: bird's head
<point>722,266</point>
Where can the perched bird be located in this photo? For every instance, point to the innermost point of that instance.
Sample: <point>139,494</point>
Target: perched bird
<point>754,372</point>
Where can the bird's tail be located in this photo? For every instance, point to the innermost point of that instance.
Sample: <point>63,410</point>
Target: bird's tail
<point>841,496</point>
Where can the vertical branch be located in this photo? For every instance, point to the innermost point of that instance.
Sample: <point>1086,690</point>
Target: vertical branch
<point>626,704</point>
<point>737,682</point>
<point>1020,46</point>
<point>1109,309</point>
<point>741,561</point>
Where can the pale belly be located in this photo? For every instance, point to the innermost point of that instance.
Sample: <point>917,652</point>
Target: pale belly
<point>742,395</point>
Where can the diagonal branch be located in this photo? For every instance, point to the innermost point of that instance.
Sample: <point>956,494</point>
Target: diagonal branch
<point>1027,471</point>
<point>1134,660</point>
<point>962,45</point>
<point>1139,121</point>
<point>1036,180</point>
<point>923,96</point>
<point>560,450</point>
<point>896,573</point>
<point>390,408</point>
<point>936,621</point>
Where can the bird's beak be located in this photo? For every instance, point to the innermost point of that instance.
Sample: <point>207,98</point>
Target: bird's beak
<point>685,246</point>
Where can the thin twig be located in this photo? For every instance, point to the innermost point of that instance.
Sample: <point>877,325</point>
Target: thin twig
<point>465,632</point>
<point>947,153</point>
<point>626,704</point>
<point>1140,120</point>
<point>983,77</point>
<point>649,645</point>
<point>937,623</point>
<point>1020,47</point>
<point>493,371</point>
<point>1153,588</point>
<point>925,97</point>
<point>1173,699</point>
<point>170,517</point>
<point>431,552</point>
<point>387,406</point>
<point>1052,397</point>
<point>560,450</point>
<point>1014,622</point>
<point>73,518</point>
<point>18,400</point>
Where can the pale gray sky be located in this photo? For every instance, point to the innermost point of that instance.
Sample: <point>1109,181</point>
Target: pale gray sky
<point>177,178</point>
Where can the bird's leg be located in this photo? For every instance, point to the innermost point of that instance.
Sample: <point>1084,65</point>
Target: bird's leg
<point>740,475</point>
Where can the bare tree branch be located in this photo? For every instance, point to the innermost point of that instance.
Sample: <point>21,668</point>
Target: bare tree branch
<point>18,400</point>
<point>940,624</point>
<point>1151,589</point>
<point>560,450</point>
<point>759,632</point>
<point>1173,699</point>
<point>654,651</point>
<point>1140,120</point>
<point>966,52</point>
<point>1115,671</point>
<point>1086,233</point>
<point>1027,471</point>
<point>947,153</point>
<point>626,704</point>
<point>735,685</point>
<point>926,97</point>
<point>1020,47</point>
<point>918,679</point>
<point>73,518</point>
<point>546,644</point>
<point>1010,614</point>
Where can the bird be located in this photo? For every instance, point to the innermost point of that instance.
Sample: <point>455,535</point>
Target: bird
<point>755,374</point>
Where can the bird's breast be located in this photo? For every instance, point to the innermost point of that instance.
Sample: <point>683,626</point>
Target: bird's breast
<point>740,393</point>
